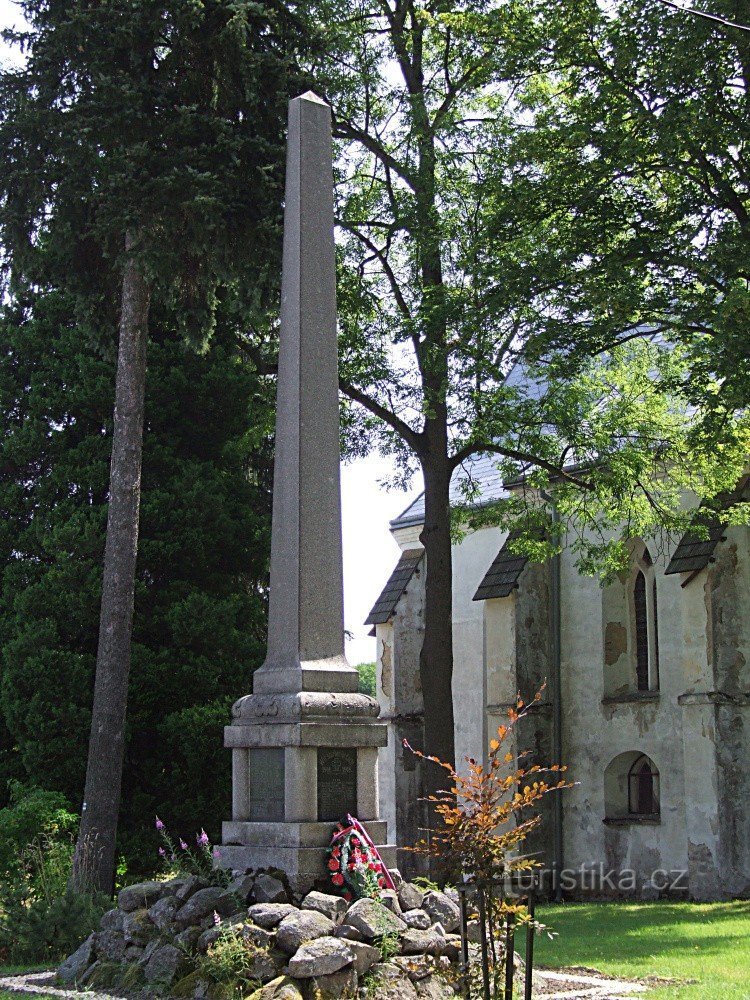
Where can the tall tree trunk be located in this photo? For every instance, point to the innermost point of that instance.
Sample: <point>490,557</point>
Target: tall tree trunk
<point>94,863</point>
<point>436,658</point>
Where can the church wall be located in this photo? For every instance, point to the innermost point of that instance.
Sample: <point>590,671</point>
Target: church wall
<point>399,693</point>
<point>597,727</point>
<point>470,559</point>
<point>695,729</point>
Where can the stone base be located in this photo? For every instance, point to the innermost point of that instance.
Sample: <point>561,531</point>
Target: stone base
<point>299,849</point>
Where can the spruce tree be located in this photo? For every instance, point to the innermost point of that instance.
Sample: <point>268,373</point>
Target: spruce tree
<point>149,136</point>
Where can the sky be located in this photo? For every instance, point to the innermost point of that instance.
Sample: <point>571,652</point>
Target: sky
<point>369,550</point>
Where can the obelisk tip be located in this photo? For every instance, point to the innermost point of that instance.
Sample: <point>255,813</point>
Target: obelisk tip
<point>312,97</point>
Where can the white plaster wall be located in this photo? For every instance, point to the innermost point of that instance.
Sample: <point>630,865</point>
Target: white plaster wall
<point>408,537</point>
<point>594,733</point>
<point>387,754</point>
<point>471,560</point>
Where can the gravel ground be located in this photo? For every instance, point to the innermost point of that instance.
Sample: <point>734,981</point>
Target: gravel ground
<point>563,985</point>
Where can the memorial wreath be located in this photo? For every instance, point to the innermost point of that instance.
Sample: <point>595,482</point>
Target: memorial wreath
<point>354,864</point>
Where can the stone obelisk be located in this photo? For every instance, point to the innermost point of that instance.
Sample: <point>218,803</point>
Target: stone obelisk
<point>304,744</point>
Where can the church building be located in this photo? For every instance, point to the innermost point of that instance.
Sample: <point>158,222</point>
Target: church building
<point>647,700</point>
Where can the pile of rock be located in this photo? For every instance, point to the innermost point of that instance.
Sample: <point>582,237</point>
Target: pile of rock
<point>402,946</point>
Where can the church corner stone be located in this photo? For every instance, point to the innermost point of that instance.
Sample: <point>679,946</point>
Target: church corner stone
<point>304,743</point>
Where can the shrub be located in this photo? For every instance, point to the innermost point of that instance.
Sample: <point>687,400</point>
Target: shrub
<point>232,960</point>
<point>40,921</point>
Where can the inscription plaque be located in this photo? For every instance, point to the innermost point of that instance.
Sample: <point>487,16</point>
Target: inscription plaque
<point>265,776</point>
<point>337,783</point>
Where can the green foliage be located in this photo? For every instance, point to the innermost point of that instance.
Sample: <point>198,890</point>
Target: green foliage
<point>199,625</point>
<point>231,960</point>
<point>534,185</point>
<point>389,945</point>
<point>38,931</point>
<point>166,122</point>
<point>30,812</point>
<point>180,858</point>
<point>367,679</point>
<point>40,921</point>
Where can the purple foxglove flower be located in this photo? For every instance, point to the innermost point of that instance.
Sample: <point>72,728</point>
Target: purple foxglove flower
<point>159,824</point>
<point>202,839</point>
<point>216,853</point>
<point>162,852</point>
<point>183,845</point>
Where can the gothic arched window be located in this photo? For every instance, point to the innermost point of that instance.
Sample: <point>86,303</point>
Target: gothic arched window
<point>643,788</point>
<point>646,637</point>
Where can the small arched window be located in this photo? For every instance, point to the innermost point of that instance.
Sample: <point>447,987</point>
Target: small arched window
<point>645,615</point>
<point>643,787</point>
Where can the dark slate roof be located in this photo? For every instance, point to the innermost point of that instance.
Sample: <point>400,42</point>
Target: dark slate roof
<point>502,576</point>
<point>385,605</point>
<point>694,553</point>
<point>480,472</point>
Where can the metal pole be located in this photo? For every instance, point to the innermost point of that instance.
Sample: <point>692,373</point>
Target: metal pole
<point>464,968</point>
<point>483,940</point>
<point>509,956</point>
<point>529,947</point>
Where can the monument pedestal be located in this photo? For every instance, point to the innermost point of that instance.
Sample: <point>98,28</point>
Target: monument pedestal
<point>300,763</point>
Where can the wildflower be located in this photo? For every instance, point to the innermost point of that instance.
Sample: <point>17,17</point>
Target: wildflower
<point>202,840</point>
<point>183,845</point>
<point>217,919</point>
<point>159,825</point>
<point>216,853</point>
<point>162,853</point>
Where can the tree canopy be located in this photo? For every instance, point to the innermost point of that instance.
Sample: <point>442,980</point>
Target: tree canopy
<point>483,233</point>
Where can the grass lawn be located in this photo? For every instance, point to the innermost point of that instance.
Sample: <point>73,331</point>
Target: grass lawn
<point>705,942</point>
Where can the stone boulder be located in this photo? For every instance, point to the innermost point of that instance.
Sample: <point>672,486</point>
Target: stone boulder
<point>390,983</point>
<point>416,967</point>
<point>110,946</point>
<point>365,956</point>
<point>141,896</point>
<point>430,942</point>
<point>442,908</point>
<point>268,889</point>
<point>242,888</point>
<point>321,957</point>
<point>203,903</point>
<point>74,967</point>
<point>302,926</point>
<point>280,988</point>
<point>188,938</point>
<point>112,920</point>
<point>189,886</point>
<point>163,912</point>
<point>417,919</point>
<point>372,919</point>
<point>389,899</point>
<point>138,928</point>
<point>434,988</point>
<point>165,965</point>
<point>269,915</point>
<point>333,907</point>
<point>347,932</point>
<point>338,986</point>
<point>410,896</point>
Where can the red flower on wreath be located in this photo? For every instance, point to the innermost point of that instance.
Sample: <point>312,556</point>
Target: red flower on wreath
<point>337,879</point>
<point>334,865</point>
<point>348,896</point>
